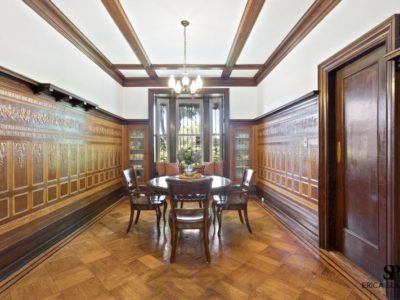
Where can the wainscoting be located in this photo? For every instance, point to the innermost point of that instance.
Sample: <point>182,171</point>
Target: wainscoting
<point>58,167</point>
<point>287,163</point>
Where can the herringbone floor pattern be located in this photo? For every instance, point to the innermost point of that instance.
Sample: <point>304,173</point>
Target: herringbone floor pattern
<point>104,262</point>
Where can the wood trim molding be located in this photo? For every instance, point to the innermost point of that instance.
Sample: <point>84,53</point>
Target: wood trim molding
<point>315,14</point>
<point>384,34</point>
<point>188,66</point>
<point>208,82</point>
<point>120,18</point>
<point>52,15</point>
<point>249,17</point>
<point>288,105</point>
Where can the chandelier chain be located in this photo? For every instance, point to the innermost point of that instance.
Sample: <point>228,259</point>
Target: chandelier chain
<point>184,48</point>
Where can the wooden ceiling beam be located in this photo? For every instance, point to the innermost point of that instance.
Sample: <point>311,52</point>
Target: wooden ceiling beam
<point>249,17</point>
<point>189,66</point>
<point>315,14</point>
<point>52,15</point>
<point>120,18</point>
<point>207,81</point>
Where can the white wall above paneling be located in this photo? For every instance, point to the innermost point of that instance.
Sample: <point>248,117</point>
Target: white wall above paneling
<point>297,74</point>
<point>31,47</point>
<point>243,102</point>
<point>135,103</point>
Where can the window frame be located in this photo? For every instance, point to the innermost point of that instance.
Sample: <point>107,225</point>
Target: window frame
<point>202,121</point>
<point>154,93</point>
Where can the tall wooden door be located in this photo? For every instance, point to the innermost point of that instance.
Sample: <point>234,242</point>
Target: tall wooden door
<point>361,140</point>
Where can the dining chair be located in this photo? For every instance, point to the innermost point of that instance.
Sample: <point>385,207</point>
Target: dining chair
<point>213,168</point>
<point>235,199</point>
<point>197,190</point>
<point>142,198</point>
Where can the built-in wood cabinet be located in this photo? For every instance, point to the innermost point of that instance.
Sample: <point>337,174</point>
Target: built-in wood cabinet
<point>241,140</point>
<point>138,152</point>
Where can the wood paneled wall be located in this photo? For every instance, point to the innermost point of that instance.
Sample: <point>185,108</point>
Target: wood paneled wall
<point>52,158</point>
<point>287,162</point>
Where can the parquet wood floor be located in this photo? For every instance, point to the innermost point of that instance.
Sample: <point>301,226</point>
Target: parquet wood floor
<point>104,262</point>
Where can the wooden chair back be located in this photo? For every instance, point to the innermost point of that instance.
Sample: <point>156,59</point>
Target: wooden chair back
<point>130,181</point>
<point>247,178</point>
<point>198,190</point>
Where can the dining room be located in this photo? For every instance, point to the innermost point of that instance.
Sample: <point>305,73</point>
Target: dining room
<point>176,149</point>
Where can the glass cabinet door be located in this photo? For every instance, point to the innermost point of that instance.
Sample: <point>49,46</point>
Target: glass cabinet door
<point>242,147</point>
<point>137,150</point>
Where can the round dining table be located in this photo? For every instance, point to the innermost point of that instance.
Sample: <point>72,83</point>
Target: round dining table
<point>219,184</point>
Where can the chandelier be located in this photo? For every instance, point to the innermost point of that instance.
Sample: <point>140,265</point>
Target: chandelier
<point>185,85</point>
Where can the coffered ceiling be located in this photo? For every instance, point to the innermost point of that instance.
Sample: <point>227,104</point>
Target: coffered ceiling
<point>140,43</point>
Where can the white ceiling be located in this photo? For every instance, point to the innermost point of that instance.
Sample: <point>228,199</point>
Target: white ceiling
<point>91,17</point>
<point>213,25</point>
<point>274,22</point>
<point>134,73</point>
<point>192,73</point>
<point>243,73</point>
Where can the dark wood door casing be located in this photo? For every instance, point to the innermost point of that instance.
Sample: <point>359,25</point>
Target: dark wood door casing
<point>386,34</point>
<point>361,161</point>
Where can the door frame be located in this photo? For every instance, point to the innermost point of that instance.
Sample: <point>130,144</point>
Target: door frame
<point>387,33</point>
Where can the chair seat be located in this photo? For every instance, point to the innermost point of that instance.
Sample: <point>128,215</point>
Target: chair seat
<point>190,215</point>
<point>154,200</point>
<point>223,200</point>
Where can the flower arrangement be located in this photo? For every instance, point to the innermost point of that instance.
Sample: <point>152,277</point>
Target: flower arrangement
<point>188,156</point>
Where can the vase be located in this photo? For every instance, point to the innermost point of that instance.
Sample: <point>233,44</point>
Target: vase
<point>188,170</point>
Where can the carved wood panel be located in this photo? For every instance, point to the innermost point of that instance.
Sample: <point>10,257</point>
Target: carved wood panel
<point>50,152</point>
<point>287,150</point>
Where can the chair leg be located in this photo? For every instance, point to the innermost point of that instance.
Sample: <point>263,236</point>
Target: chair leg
<point>137,216</point>
<point>181,204</point>
<point>200,204</point>
<point>206,248</point>
<point>214,213</point>
<point>164,211</point>
<point>174,237</point>
<point>246,217</point>
<point>130,220</point>
<point>158,213</point>
<point>240,216</point>
<point>219,215</point>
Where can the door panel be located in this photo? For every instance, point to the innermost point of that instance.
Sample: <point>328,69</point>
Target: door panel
<point>361,168</point>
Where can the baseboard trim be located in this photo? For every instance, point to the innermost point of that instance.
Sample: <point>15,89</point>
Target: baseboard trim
<point>53,239</point>
<point>354,275</point>
<point>304,222</point>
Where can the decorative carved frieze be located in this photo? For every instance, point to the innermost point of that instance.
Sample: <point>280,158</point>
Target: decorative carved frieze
<point>49,142</point>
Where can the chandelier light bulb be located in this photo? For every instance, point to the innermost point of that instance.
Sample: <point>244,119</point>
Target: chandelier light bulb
<point>185,80</point>
<point>171,82</point>
<point>193,87</point>
<point>199,82</point>
<point>178,87</point>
